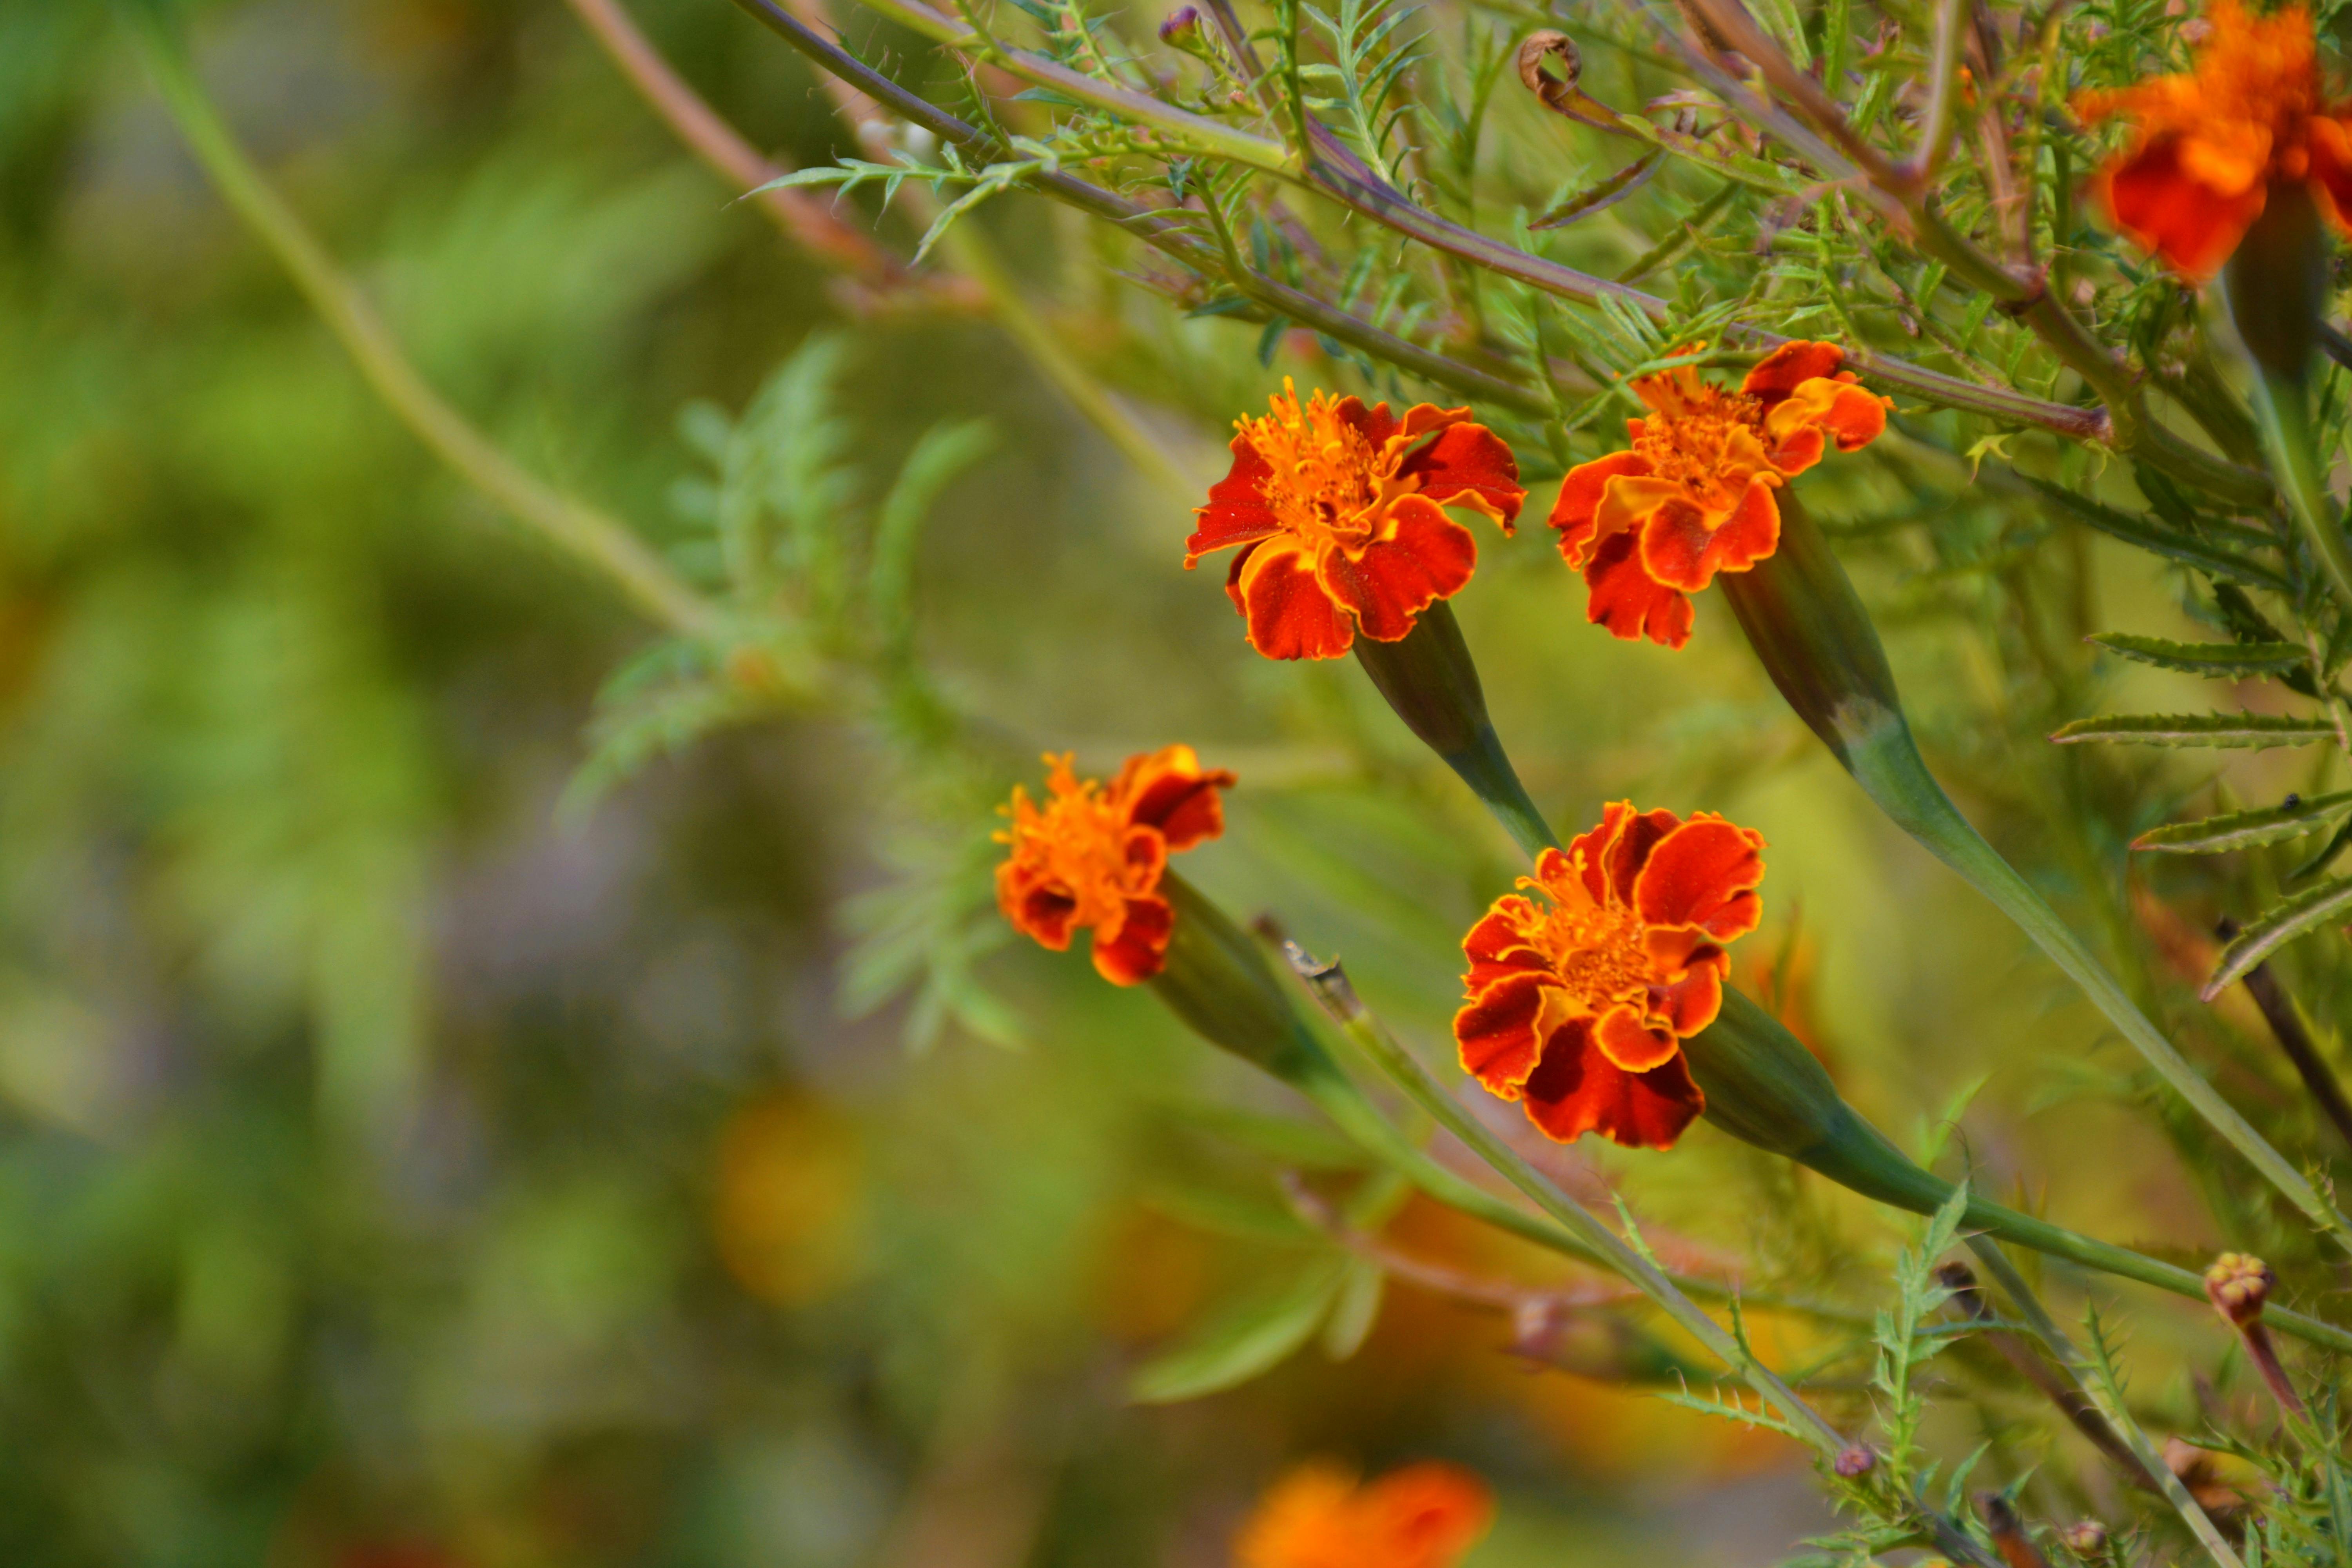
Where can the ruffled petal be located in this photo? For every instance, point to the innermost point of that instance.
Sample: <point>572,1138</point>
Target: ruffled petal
<point>1501,1034</point>
<point>1424,556</point>
<point>1702,873</point>
<point>1236,513</point>
<point>1578,1090</point>
<point>1503,942</point>
<point>1628,1042</point>
<point>1038,909</point>
<point>2330,142</point>
<point>1468,465</point>
<point>1628,601</point>
<point>1424,1516</point>
<point>1583,865</point>
<point>1840,407</point>
<point>1580,499</point>
<point>1169,790</point>
<point>1690,1003</point>
<point>1376,425</point>
<point>1629,500</point>
<point>2192,226</point>
<point>1790,366</point>
<point>1290,615</point>
<point>1681,550</point>
<point>1626,855</point>
<point>1138,950</point>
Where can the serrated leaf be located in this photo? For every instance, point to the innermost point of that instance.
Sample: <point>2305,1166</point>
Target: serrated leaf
<point>2245,829</point>
<point>1304,1144</point>
<point>2230,730</point>
<point>2325,857</point>
<point>1605,193</point>
<point>2278,926</point>
<point>1356,1309</point>
<point>1249,1334</point>
<point>2217,660</point>
<point>2161,541</point>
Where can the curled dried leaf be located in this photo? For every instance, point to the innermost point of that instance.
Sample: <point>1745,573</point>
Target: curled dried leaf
<point>1560,94</point>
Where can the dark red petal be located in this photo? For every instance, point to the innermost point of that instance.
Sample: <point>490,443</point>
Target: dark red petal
<point>1690,1003</point>
<point>1468,465</point>
<point>1290,615</point>
<point>1043,910</point>
<point>1501,1033</point>
<point>1501,944</point>
<point>1780,373</point>
<point>1629,1042</point>
<point>1376,424</point>
<point>1140,948</point>
<point>1427,556</point>
<point>1577,1090</point>
<point>1233,578</point>
<point>1171,791</point>
<point>1696,876</point>
<point>2191,225</point>
<point>1580,499</point>
<point>2330,141</point>
<point>1628,601</point>
<point>1236,513</point>
<point>1627,854</point>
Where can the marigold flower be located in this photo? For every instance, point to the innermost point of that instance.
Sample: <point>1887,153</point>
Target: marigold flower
<point>2207,147</point>
<point>1422,1516</point>
<point>1092,857</point>
<point>1581,1009</point>
<point>1339,510</point>
<point>1650,526</point>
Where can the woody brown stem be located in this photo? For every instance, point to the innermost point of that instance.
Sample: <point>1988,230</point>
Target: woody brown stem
<point>2278,1010</point>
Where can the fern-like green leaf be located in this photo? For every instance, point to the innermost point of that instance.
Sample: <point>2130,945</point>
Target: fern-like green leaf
<point>2245,829</point>
<point>2216,659</point>
<point>2278,926</point>
<point>2242,731</point>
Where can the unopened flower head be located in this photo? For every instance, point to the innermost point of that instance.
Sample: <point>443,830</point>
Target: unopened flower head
<point>1693,495</point>
<point>2207,147</point>
<point>1338,511</point>
<point>1578,1005</point>
<point>1092,857</point>
<point>2238,1285</point>
<point>1422,1516</point>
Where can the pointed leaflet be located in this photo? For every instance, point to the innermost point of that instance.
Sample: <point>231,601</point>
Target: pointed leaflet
<point>1604,193</point>
<point>2239,729</point>
<point>2245,829</point>
<point>2205,658</point>
<point>1250,1333</point>
<point>2163,540</point>
<point>2278,926</point>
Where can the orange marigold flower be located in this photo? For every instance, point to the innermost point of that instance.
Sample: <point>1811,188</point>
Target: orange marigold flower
<point>1581,1009</point>
<point>1652,526</point>
<point>1422,1516</point>
<point>1339,513</point>
<point>2207,147</point>
<point>1093,857</point>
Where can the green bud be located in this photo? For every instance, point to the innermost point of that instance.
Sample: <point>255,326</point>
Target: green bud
<point>1217,980</point>
<point>1428,681</point>
<point>2276,282</point>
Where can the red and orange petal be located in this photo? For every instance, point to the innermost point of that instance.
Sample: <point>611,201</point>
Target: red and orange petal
<point>1337,510</point>
<point>1694,497</point>
<point>1091,856</point>
<point>1578,1005</point>
<point>1421,1516</point>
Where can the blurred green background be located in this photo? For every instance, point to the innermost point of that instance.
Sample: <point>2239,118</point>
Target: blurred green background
<point>401,1169</point>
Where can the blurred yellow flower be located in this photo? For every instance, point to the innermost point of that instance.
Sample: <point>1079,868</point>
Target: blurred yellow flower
<point>790,1192</point>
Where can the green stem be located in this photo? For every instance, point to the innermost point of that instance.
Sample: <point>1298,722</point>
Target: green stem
<point>1887,763</point>
<point>592,536</point>
<point>2282,414</point>
<point>1405,1070</point>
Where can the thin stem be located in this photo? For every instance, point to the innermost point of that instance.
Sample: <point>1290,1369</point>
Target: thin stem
<point>1943,86</point>
<point>1163,229</point>
<point>2294,1037</point>
<point>1331,988</point>
<point>2060,1390</point>
<point>2281,415</point>
<point>2062,1349</point>
<point>579,530</point>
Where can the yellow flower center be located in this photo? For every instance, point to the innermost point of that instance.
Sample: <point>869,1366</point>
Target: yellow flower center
<point>1692,436</point>
<point>1327,476</point>
<point>1598,952</point>
<point>1077,839</point>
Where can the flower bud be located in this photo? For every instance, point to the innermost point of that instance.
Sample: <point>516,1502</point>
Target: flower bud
<point>1815,640</point>
<point>1428,681</point>
<point>1182,29</point>
<point>1217,980</point>
<point>2276,283</point>
<point>1856,1461</point>
<point>2088,1539</point>
<point>2238,1285</point>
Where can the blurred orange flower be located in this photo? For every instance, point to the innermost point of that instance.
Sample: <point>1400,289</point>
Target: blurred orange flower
<point>1692,497</point>
<point>1581,1009</point>
<point>1422,1516</point>
<point>1091,856</point>
<point>2207,147</point>
<point>1339,510</point>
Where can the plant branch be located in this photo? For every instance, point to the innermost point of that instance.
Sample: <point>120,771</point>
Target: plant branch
<point>2278,1010</point>
<point>581,531</point>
